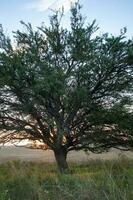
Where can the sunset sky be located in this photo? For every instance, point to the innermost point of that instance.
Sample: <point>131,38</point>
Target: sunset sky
<point>111,15</point>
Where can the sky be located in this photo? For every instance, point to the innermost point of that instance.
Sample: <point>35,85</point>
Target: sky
<point>111,15</point>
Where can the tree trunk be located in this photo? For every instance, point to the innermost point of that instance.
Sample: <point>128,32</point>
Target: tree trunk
<point>60,156</point>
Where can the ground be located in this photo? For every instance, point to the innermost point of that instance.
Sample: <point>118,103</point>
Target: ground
<point>93,177</point>
<point>24,154</point>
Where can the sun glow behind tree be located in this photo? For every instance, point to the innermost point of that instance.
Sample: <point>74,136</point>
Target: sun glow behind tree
<point>67,87</point>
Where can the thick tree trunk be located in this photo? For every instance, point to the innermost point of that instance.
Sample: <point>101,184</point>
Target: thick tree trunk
<point>60,156</point>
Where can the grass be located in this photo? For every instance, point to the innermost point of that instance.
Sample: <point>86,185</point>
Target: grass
<point>97,180</point>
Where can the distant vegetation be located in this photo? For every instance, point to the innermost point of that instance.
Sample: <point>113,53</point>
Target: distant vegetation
<point>112,180</point>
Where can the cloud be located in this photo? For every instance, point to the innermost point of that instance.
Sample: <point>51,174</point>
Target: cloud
<point>43,5</point>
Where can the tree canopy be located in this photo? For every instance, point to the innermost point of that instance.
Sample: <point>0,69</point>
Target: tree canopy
<point>70,88</point>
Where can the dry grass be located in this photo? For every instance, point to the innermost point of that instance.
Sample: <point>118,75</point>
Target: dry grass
<point>96,180</point>
<point>24,154</point>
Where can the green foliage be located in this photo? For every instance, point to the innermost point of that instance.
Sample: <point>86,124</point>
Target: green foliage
<point>69,88</point>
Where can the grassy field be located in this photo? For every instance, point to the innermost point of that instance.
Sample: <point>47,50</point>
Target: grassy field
<point>95,180</point>
<point>35,155</point>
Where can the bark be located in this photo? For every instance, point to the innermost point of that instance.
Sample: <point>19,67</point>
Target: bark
<point>61,156</point>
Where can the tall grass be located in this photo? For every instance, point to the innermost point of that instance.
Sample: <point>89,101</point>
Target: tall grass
<point>97,180</point>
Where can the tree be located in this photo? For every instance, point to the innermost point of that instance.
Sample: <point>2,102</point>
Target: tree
<point>67,88</point>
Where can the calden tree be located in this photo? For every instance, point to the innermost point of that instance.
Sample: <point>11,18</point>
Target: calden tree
<point>67,88</point>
